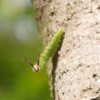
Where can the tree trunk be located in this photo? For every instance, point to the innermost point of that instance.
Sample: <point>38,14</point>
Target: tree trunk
<point>74,73</point>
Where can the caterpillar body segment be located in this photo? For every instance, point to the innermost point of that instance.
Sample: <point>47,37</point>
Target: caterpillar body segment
<point>51,48</point>
<point>48,52</point>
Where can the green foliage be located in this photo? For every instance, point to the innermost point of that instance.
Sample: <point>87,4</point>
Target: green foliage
<point>17,81</point>
<point>18,37</point>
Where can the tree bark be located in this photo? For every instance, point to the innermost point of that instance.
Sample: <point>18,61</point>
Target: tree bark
<point>74,73</point>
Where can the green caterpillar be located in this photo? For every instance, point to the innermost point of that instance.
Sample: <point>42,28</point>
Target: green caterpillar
<point>48,52</point>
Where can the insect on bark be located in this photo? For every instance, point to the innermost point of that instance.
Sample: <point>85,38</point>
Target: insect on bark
<point>48,52</point>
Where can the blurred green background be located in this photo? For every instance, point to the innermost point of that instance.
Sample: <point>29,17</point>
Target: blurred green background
<point>19,37</point>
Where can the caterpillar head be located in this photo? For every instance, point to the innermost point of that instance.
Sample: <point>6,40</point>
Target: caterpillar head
<point>36,68</point>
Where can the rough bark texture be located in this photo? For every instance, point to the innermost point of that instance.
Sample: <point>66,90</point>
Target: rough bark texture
<point>75,71</point>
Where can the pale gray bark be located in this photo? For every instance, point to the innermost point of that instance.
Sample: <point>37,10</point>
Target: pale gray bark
<point>75,71</point>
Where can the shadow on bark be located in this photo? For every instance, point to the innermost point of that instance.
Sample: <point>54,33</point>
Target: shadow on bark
<point>55,60</point>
